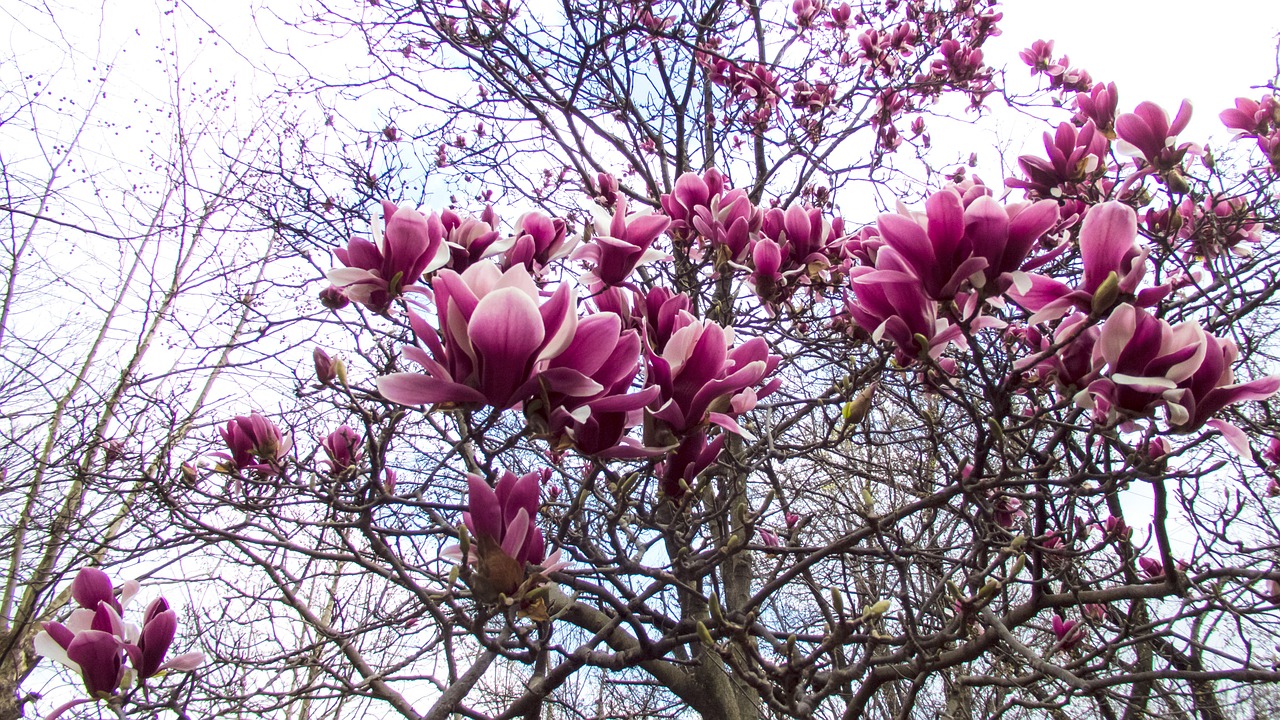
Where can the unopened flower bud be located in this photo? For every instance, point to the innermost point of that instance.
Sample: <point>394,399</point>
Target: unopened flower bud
<point>325,371</point>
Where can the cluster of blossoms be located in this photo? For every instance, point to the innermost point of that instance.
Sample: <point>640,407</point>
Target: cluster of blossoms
<point>1259,120</point>
<point>414,246</point>
<point>632,374</point>
<point>497,343</point>
<point>108,653</point>
<point>782,250</point>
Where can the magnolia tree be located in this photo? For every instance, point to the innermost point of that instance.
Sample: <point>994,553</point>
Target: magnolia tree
<point>683,440</point>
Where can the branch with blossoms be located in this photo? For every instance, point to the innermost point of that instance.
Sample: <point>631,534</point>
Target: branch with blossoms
<point>755,456</point>
<point>113,658</point>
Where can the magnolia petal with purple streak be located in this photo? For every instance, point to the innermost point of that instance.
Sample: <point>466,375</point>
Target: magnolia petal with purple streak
<point>415,389</point>
<point>483,509</point>
<point>1106,238</point>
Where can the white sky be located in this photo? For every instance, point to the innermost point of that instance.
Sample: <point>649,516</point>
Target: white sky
<point>1207,52</point>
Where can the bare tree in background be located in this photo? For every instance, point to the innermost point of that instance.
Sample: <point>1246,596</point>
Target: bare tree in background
<point>132,264</point>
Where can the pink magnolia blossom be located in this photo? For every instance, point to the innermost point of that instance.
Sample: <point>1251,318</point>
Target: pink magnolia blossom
<point>333,298</point>
<point>1068,632</point>
<point>806,12</point>
<point>326,369</point>
<point>1074,159</point>
<point>96,642</point>
<point>841,15</point>
<point>703,378</point>
<point>804,239</point>
<point>1114,266</point>
<point>159,625</point>
<point>1094,612</point>
<point>92,586</point>
<point>1099,107</point>
<point>1066,358</point>
<point>494,342</point>
<point>620,245</point>
<point>1039,56</point>
<point>1217,225</point>
<point>469,240</point>
<point>606,191</point>
<point>767,277</point>
<point>1212,387</point>
<point>1116,529</point>
<point>596,425</point>
<point>344,447</point>
<point>501,521</point>
<point>892,304</point>
<point>506,514</point>
<point>951,244</point>
<point>812,98</point>
<point>701,206</point>
<point>255,443</point>
<point>1252,118</point>
<point>1151,567</point>
<point>538,242</point>
<point>654,313</point>
<point>769,538</point>
<point>1007,511</point>
<point>378,272</point>
<point>1185,370</point>
<point>1148,133</point>
<point>1272,453</point>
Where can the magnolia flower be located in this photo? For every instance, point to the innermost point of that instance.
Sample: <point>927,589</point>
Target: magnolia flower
<point>1074,158</point>
<point>1252,118</point>
<point>327,369</point>
<point>1007,511</point>
<point>1151,567</point>
<point>703,378</point>
<point>378,272</point>
<point>596,425</point>
<point>1147,132</point>
<point>1094,612</point>
<point>345,448</point>
<point>1272,453</point>
<point>1150,364</point>
<point>469,240</point>
<point>538,241</point>
<point>1211,387</point>
<point>494,344</point>
<point>333,298</point>
<point>621,244</point>
<point>1116,528</point>
<point>159,624</point>
<point>701,205</point>
<point>803,238</point>
<point>255,444</point>
<point>1114,266</point>
<point>1068,632</point>
<point>1067,357</point>
<point>892,304</point>
<point>1099,107</point>
<point>501,521</point>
